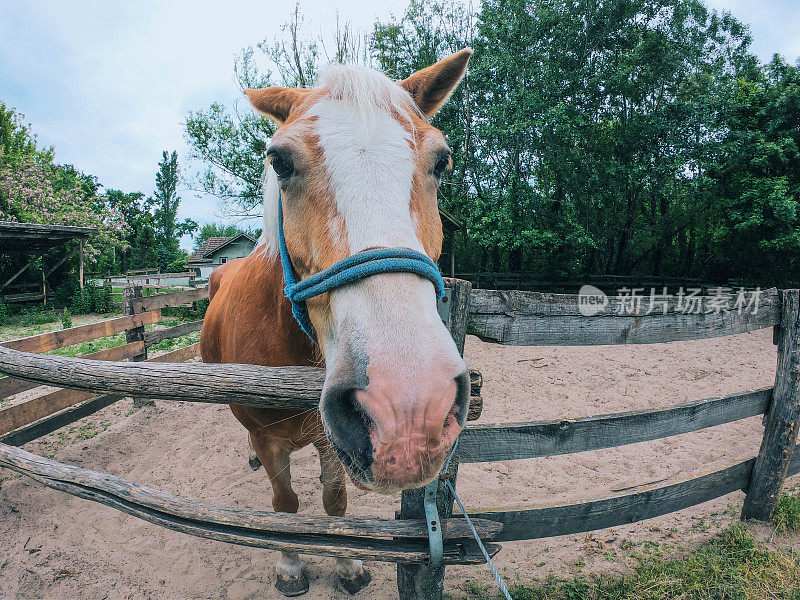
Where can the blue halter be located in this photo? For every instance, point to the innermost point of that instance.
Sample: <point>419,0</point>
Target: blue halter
<point>353,268</point>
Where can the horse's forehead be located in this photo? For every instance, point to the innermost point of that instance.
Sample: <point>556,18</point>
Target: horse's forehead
<point>355,119</point>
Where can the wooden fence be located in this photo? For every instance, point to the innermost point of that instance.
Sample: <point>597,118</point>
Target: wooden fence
<point>524,318</point>
<point>47,412</point>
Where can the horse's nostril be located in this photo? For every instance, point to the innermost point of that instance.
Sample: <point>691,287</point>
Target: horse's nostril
<point>347,424</point>
<point>461,403</point>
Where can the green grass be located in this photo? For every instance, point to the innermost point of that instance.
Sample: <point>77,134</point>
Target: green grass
<point>111,341</point>
<point>39,318</point>
<point>787,513</point>
<point>731,567</point>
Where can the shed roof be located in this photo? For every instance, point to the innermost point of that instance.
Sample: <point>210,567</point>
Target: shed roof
<point>449,221</point>
<point>204,254</point>
<point>31,238</point>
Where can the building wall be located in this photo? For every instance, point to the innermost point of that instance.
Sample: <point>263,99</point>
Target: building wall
<point>232,251</point>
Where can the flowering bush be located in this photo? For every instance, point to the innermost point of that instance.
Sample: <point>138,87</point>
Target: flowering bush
<point>29,193</point>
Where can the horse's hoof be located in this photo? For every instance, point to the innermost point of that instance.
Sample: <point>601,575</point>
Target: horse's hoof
<point>292,586</point>
<point>357,583</point>
<point>254,462</point>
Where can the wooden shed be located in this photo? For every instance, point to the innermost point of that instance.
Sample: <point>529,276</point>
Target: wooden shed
<point>30,241</point>
<point>450,225</point>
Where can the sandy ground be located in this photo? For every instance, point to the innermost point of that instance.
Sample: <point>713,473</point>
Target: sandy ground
<point>55,546</point>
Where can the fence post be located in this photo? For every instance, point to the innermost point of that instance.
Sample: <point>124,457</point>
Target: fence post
<point>781,422</point>
<point>421,581</point>
<point>135,334</point>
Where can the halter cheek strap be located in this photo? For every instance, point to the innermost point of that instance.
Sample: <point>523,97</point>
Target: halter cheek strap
<point>353,268</point>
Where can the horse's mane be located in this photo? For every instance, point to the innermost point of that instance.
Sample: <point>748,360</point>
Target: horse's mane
<point>368,93</point>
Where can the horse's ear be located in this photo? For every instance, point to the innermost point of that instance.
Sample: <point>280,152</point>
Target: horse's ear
<point>432,86</point>
<point>276,102</point>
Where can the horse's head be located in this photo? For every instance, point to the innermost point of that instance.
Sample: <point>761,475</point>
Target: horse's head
<point>358,166</point>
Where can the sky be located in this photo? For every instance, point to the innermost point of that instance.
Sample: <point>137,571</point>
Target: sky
<point>109,84</point>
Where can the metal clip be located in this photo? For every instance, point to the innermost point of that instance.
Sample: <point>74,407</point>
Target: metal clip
<point>434,524</point>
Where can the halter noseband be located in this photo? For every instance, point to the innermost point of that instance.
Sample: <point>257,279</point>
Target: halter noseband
<point>353,268</point>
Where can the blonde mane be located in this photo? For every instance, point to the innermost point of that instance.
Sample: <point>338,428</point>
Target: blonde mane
<point>370,94</point>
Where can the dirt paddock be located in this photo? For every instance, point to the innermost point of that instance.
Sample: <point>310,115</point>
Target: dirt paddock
<point>55,546</point>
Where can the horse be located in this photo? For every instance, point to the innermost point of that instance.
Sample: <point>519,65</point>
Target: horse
<point>354,165</point>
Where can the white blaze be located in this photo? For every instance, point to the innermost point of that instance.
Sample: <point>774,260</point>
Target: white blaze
<point>371,166</point>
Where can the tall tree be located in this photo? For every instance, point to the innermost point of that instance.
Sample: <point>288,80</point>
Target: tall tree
<point>165,203</point>
<point>631,137</point>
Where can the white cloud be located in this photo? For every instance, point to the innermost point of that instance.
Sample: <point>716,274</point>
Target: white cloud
<point>108,84</point>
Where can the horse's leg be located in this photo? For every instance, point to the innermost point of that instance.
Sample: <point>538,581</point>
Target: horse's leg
<point>252,457</point>
<point>291,578</point>
<point>351,573</point>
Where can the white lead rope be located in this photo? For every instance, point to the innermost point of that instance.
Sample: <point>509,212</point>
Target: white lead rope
<point>488,558</point>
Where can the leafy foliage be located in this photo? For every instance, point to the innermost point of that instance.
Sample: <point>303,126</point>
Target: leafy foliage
<point>66,319</point>
<point>34,193</point>
<point>616,137</point>
<point>210,230</point>
<point>92,299</point>
<point>164,204</point>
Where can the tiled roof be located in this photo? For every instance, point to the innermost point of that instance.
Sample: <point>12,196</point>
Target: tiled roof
<point>201,254</point>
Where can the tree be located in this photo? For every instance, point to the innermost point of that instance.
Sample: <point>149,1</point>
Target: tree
<point>35,191</point>
<point>754,227</point>
<point>210,230</point>
<point>233,142</point>
<point>144,252</point>
<point>165,203</point>
<point>16,139</point>
<point>134,211</point>
<point>629,137</point>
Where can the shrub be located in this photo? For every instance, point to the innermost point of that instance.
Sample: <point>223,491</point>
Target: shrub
<point>92,299</point>
<point>65,292</point>
<point>102,299</point>
<point>66,319</point>
<point>3,314</point>
<point>83,301</point>
<point>177,266</point>
<point>37,317</point>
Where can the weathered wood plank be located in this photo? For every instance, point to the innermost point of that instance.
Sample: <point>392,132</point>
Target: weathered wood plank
<point>75,335</point>
<point>540,319</point>
<point>510,441</point>
<point>154,337</point>
<point>28,412</point>
<point>10,385</point>
<point>135,334</point>
<point>51,423</point>
<point>178,356</point>
<point>333,536</point>
<point>619,509</point>
<point>57,420</point>
<point>249,385</point>
<point>219,383</point>
<point>170,299</point>
<point>783,418</point>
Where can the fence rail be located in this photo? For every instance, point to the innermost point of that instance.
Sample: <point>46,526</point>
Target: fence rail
<point>511,441</point>
<point>369,539</point>
<point>505,317</point>
<point>29,419</point>
<point>539,319</point>
<point>621,509</point>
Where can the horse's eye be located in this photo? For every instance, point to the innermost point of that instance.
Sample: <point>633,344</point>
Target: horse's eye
<point>282,164</point>
<point>441,164</point>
